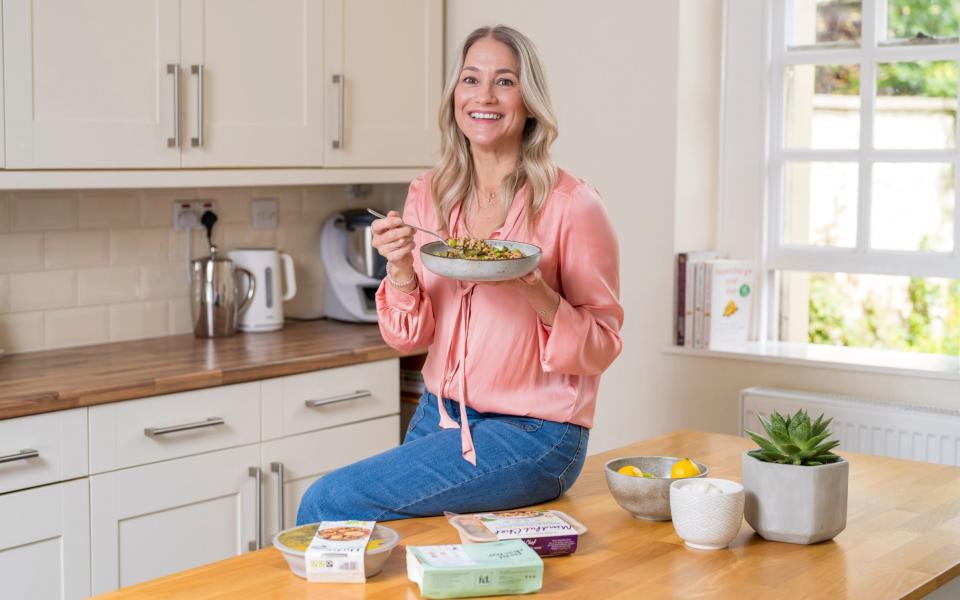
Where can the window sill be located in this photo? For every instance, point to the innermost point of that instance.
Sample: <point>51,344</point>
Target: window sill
<point>865,360</point>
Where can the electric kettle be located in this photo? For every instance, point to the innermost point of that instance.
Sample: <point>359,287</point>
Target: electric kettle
<point>265,312</point>
<point>215,291</point>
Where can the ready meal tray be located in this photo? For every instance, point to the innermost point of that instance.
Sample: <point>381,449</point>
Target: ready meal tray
<point>548,532</point>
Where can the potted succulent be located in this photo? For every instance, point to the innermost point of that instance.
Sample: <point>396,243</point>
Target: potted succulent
<point>795,487</point>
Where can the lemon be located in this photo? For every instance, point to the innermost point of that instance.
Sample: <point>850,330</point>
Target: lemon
<point>630,471</point>
<point>684,468</point>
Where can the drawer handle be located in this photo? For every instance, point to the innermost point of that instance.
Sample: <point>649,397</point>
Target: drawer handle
<point>22,455</point>
<point>277,467</point>
<point>337,399</point>
<point>257,475</point>
<point>155,431</point>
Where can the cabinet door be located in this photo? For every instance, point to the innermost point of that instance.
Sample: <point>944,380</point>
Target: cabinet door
<point>45,542</point>
<point>389,57</point>
<point>261,102</point>
<point>307,456</point>
<point>157,519</point>
<point>87,85</point>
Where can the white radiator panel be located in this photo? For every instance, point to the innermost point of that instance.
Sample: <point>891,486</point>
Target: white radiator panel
<point>865,426</point>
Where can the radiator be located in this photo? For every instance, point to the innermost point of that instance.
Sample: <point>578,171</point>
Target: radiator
<point>866,426</point>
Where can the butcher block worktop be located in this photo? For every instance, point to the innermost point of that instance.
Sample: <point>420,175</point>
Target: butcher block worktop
<point>52,380</point>
<point>901,541</point>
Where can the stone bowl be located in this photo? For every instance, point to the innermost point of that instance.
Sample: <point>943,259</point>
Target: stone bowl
<point>706,522</point>
<point>643,497</point>
<point>466,269</point>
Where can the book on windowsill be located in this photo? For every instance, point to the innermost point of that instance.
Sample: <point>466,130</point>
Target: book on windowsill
<point>728,300</point>
<point>685,295</point>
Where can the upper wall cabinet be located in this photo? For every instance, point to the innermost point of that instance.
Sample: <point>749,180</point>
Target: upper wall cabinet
<point>221,83</point>
<point>386,60</point>
<point>86,83</point>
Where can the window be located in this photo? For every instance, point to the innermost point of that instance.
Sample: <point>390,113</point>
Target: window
<point>861,244</point>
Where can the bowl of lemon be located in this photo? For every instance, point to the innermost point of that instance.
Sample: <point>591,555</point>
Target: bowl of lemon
<point>641,484</point>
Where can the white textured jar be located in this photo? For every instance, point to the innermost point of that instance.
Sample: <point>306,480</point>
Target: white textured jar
<point>706,521</point>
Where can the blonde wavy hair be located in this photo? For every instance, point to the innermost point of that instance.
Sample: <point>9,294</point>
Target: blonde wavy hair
<point>454,177</point>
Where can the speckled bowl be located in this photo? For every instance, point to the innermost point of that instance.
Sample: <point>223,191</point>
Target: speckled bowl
<point>646,498</point>
<point>481,270</point>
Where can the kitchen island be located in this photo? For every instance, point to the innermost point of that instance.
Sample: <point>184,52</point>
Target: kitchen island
<point>902,541</point>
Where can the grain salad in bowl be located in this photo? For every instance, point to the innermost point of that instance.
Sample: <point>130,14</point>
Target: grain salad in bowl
<point>469,259</point>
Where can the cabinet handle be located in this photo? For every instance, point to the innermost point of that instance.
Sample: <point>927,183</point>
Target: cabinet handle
<point>22,455</point>
<point>257,542</point>
<point>341,82</point>
<point>155,431</point>
<point>174,70</point>
<point>277,467</point>
<point>197,70</point>
<point>337,399</point>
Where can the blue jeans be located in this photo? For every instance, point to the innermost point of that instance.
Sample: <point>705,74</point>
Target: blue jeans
<point>520,461</point>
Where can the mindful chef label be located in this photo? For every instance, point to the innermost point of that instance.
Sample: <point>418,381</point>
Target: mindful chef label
<point>545,533</point>
<point>337,551</point>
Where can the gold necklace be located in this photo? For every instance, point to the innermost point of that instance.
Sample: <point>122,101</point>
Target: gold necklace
<point>491,198</point>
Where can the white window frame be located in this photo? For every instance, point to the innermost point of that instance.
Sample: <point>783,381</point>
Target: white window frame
<point>752,153</point>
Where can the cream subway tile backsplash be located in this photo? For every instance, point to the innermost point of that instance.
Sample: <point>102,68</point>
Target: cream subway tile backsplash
<point>21,332</point>
<point>76,249</point>
<point>4,294</point>
<point>91,266</point>
<point>139,320</point>
<point>109,210</point>
<point>163,281</point>
<point>43,211</point>
<point>21,252</point>
<point>75,327</point>
<point>180,320</point>
<point>4,213</point>
<point>144,246</point>
<point>108,285</point>
<point>43,290</point>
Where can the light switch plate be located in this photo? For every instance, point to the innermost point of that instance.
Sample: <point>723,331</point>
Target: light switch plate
<point>263,213</point>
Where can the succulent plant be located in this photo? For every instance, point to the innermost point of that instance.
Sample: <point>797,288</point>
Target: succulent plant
<point>794,440</point>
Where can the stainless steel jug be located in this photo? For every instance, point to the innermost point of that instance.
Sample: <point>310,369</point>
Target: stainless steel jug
<point>214,295</point>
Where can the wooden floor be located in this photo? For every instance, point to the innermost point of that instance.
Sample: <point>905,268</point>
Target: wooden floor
<point>902,541</point>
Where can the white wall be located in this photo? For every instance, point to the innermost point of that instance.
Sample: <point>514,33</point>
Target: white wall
<point>636,85</point>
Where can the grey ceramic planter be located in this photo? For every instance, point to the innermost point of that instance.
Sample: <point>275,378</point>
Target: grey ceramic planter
<point>789,503</point>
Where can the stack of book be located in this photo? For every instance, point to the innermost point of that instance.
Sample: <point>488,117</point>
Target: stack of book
<point>714,300</point>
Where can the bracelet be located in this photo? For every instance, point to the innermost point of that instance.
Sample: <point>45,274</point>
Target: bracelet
<point>401,284</point>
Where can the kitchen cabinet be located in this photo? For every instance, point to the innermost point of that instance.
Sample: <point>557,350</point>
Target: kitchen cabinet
<point>221,83</point>
<point>388,56</point>
<point>298,461</point>
<point>45,542</point>
<point>86,84</point>
<point>169,516</point>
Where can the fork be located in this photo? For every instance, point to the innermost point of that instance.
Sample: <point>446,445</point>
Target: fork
<point>433,233</point>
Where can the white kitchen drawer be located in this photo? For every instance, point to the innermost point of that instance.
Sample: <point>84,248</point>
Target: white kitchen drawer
<point>341,395</point>
<point>119,436</point>
<point>59,440</point>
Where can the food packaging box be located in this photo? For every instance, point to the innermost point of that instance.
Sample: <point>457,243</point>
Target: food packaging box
<point>469,570</point>
<point>547,532</point>
<point>336,553</point>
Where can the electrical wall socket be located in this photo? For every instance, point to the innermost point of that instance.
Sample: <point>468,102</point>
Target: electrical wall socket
<point>186,213</point>
<point>263,213</point>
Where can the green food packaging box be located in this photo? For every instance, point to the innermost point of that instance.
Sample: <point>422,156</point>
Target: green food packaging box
<point>468,570</point>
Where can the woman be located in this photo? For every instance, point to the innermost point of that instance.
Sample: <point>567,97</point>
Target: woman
<point>513,367</point>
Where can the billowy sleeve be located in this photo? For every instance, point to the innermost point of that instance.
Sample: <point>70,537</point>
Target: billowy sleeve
<point>585,336</point>
<point>406,318</point>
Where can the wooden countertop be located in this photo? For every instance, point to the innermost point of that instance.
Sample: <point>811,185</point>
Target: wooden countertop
<point>52,380</point>
<point>902,541</point>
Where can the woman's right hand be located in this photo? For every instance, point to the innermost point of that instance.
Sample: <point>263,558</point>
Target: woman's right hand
<point>394,241</point>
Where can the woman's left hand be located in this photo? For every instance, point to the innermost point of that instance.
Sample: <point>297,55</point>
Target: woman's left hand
<point>542,298</point>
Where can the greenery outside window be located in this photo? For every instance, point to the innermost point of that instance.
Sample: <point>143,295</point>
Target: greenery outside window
<point>862,231</point>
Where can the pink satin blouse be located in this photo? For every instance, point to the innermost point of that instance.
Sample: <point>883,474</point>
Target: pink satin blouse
<point>488,348</point>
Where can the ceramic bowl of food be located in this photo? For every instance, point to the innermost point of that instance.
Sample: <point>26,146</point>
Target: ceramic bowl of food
<point>707,512</point>
<point>486,260</point>
<point>293,543</point>
<point>645,497</point>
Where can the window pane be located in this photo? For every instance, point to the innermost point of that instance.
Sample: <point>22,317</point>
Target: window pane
<point>821,204</point>
<point>823,106</point>
<point>914,314</point>
<point>906,19</point>
<point>916,105</point>
<point>834,22</point>
<point>913,206</point>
